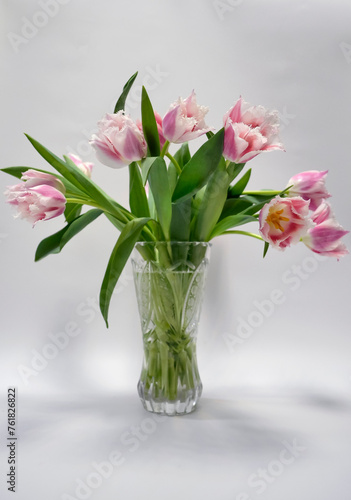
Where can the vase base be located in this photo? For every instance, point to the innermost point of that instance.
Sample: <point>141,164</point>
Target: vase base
<point>170,408</point>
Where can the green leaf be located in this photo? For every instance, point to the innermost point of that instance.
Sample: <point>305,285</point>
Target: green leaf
<point>73,174</point>
<point>265,249</point>
<point>58,164</point>
<point>149,125</point>
<point>118,224</point>
<point>180,225</point>
<point>234,206</point>
<point>238,188</point>
<point>158,180</point>
<point>211,205</point>
<point>72,211</point>
<point>55,242</point>
<point>229,222</point>
<point>120,104</point>
<point>199,168</point>
<point>182,156</point>
<point>145,167</point>
<point>234,170</point>
<point>137,196</point>
<point>172,176</point>
<point>255,207</point>
<point>120,254</point>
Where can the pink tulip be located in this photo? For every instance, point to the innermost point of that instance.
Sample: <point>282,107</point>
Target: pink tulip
<point>249,131</point>
<point>34,178</point>
<point>284,221</point>
<point>119,142</point>
<point>85,167</point>
<point>159,128</point>
<point>185,120</point>
<point>325,237</point>
<point>309,185</point>
<point>39,198</point>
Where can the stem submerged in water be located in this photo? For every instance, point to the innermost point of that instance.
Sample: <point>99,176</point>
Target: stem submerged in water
<point>169,293</point>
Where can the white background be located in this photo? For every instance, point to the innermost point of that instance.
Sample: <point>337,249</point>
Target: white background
<point>290,379</point>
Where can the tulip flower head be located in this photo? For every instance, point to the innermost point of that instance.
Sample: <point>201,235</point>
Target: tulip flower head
<point>284,221</point>
<point>309,185</point>
<point>249,131</point>
<point>325,237</point>
<point>119,141</point>
<point>185,120</point>
<point>40,197</point>
<point>85,167</point>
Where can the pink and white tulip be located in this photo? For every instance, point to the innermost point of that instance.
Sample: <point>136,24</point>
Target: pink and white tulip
<point>185,120</point>
<point>325,237</point>
<point>85,167</point>
<point>158,118</point>
<point>248,131</point>
<point>119,141</point>
<point>35,178</point>
<point>284,221</point>
<point>39,198</point>
<point>309,185</point>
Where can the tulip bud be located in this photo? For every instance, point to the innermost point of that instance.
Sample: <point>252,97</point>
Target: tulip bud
<point>40,197</point>
<point>185,120</point>
<point>309,185</point>
<point>85,167</point>
<point>249,131</point>
<point>118,142</point>
<point>325,237</point>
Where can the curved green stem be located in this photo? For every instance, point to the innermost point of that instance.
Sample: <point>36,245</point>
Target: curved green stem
<point>267,192</point>
<point>246,233</point>
<point>81,201</point>
<point>175,163</point>
<point>165,149</point>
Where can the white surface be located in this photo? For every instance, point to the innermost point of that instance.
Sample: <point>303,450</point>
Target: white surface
<point>291,378</point>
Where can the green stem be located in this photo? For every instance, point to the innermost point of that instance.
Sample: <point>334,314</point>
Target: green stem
<point>164,149</point>
<point>246,233</point>
<point>175,163</point>
<point>268,192</point>
<point>81,201</point>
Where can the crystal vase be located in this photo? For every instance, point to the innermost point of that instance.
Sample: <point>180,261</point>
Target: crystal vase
<point>169,280</point>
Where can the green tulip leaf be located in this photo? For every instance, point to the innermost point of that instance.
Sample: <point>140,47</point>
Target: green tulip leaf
<point>180,225</point>
<point>265,248</point>
<point>182,156</point>
<point>234,170</point>
<point>149,125</point>
<point>137,196</point>
<point>69,170</point>
<point>238,188</point>
<point>211,205</point>
<point>72,211</point>
<point>234,206</point>
<point>158,180</point>
<point>199,168</point>
<point>120,104</point>
<point>145,167</point>
<point>229,222</point>
<point>120,254</point>
<point>55,242</point>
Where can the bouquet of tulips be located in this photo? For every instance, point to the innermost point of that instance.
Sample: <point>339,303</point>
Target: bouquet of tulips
<point>179,197</point>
